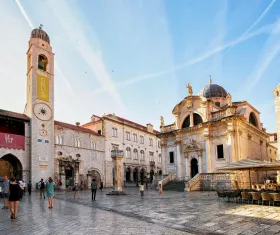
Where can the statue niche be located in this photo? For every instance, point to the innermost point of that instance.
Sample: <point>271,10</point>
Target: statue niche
<point>42,62</point>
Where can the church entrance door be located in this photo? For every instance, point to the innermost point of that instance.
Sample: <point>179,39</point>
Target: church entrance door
<point>194,167</point>
<point>10,166</point>
<point>69,175</point>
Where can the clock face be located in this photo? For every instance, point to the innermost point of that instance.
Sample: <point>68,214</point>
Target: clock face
<point>43,132</point>
<point>42,111</point>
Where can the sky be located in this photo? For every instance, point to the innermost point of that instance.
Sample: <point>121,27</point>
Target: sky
<point>135,58</point>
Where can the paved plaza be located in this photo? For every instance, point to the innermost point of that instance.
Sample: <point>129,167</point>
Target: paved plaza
<point>170,213</point>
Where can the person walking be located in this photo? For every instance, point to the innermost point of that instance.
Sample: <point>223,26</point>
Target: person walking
<point>141,187</point>
<point>5,192</point>
<point>93,189</point>
<point>50,191</point>
<point>14,191</point>
<point>42,188</point>
<point>76,190</point>
<point>101,185</point>
<point>29,187</point>
<point>147,182</point>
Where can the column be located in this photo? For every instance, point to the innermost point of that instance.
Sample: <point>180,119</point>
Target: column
<point>179,155</point>
<point>231,143</point>
<point>188,167</point>
<point>89,179</point>
<point>131,174</point>
<point>208,151</point>
<point>191,120</point>
<point>62,179</point>
<point>200,161</point>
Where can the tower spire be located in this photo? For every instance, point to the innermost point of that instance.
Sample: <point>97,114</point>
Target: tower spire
<point>210,80</point>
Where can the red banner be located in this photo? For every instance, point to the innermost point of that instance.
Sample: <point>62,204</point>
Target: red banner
<point>12,141</point>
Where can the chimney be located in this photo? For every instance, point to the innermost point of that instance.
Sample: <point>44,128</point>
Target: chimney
<point>150,128</point>
<point>77,124</point>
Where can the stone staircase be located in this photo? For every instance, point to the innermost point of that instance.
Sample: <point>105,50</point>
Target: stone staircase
<point>210,182</point>
<point>175,185</point>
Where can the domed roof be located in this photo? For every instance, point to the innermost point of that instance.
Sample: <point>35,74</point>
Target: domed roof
<point>40,33</point>
<point>213,91</point>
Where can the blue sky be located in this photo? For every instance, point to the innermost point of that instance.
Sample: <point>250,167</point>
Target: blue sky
<point>134,58</point>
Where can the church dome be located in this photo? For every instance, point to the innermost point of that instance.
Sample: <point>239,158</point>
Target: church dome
<point>213,91</point>
<point>40,33</point>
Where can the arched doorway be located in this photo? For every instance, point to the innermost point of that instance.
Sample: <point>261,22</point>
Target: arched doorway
<point>142,174</point>
<point>194,167</point>
<point>135,174</point>
<point>10,166</point>
<point>160,172</point>
<point>128,174</point>
<point>95,175</point>
<point>69,175</point>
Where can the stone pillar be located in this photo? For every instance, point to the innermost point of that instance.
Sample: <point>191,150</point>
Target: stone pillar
<point>231,143</point>
<point>179,155</point>
<point>89,180</point>
<point>131,175</point>
<point>179,158</point>
<point>188,167</point>
<point>191,120</point>
<point>62,179</point>
<point>208,151</point>
<point>200,162</point>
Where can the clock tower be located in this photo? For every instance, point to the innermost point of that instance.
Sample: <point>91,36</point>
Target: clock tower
<point>40,103</point>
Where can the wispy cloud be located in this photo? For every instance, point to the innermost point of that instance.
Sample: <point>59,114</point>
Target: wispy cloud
<point>27,18</point>
<point>90,52</point>
<point>24,14</point>
<point>254,24</point>
<point>206,55</point>
<point>270,50</point>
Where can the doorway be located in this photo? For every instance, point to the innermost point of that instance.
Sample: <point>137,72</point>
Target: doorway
<point>128,174</point>
<point>10,166</point>
<point>194,167</point>
<point>135,175</point>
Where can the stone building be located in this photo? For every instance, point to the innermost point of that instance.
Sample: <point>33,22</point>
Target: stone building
<point>141,146</point>
<point>210,131</point>
<point>33,145</point>
<point>276,93</point>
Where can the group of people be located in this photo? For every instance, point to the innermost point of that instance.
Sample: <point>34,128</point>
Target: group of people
<point>47,188</point>
<point>13,191</point>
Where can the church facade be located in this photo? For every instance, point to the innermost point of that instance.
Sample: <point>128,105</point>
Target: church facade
<point>210,131</point>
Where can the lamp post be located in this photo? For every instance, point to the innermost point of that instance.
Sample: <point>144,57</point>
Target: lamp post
<point>117,156</point>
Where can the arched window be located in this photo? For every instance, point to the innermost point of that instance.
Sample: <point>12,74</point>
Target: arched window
<point>253,119</point>
<point>142,155</point>
<point>42,62</point>
<point>218,104</point>
<point>128,152</point>
<point>277,93</point>
<point>186,123</point>
<point>197,119</point>
<point>135,153</point>
<point>93,145</point>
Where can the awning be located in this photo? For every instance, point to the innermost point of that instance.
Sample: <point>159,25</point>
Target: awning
<point>245,164</point>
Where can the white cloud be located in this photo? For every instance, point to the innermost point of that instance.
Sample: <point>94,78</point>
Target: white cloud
<point>206,55</point>
<point>90,52</point>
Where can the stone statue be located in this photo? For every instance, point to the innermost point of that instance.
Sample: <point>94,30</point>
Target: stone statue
<point>229,100</point>
<point>161,121</point>
<point>190,91</point>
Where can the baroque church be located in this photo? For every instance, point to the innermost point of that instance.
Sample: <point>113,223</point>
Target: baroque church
<point>33,145</point>
<point>211,131</point>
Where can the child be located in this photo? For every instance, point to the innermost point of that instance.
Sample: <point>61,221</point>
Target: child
<point>142,190</point>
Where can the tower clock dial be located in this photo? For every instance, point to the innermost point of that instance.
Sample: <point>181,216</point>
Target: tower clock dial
<point>42,111</point>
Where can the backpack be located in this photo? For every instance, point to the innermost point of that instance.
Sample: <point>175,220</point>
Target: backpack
<point>93,185</point>
<point>42,185</point>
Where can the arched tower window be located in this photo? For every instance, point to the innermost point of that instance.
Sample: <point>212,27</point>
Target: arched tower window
<point>253,119</point>
<point>197,119</point>
<point>186,123</point>
<point>42,62</point>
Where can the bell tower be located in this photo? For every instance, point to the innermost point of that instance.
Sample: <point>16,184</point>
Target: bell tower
<point>276,93</point>
<point>40,104</point>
